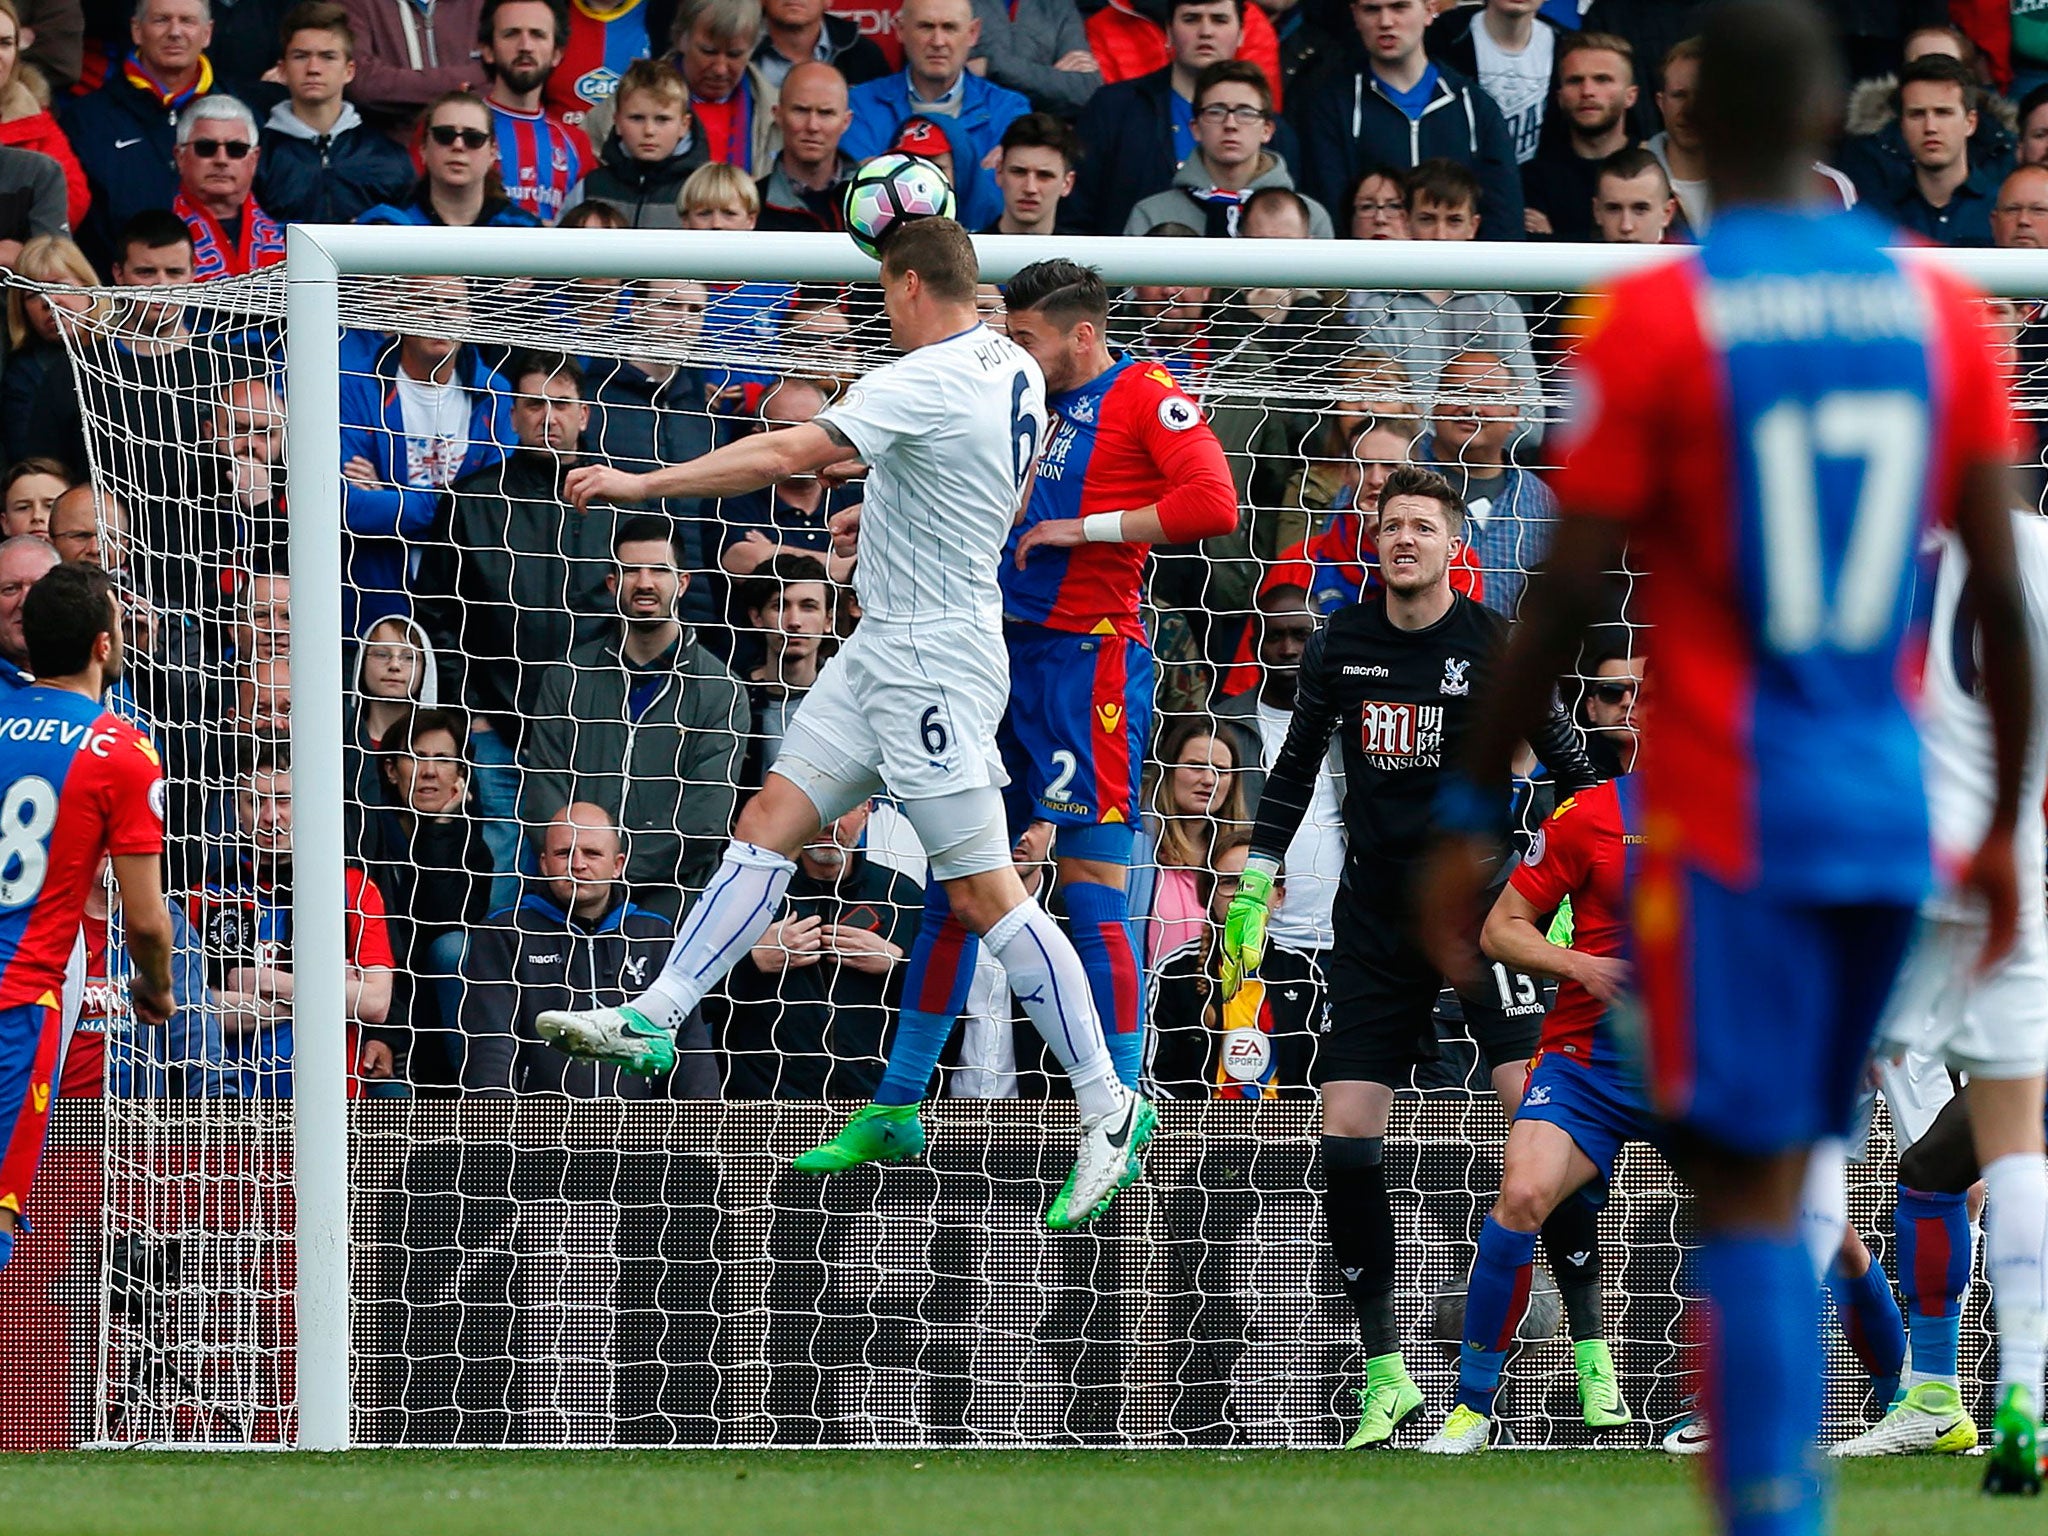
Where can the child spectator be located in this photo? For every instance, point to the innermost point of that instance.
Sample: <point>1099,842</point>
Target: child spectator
<point>740,319</point>
<point>655,143</point>
<point>27,493</point>
<point>322,163</point>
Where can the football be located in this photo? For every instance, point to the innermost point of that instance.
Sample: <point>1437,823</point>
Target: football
<point>889,190</point>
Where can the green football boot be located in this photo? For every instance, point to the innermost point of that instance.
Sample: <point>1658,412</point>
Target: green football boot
<point>2015,1462</point>
<point>877,1133</point>
<point>1388,1400</point>
<point>1111,1160</point>
<point>1600,1399</point>
<point>622,1037</point>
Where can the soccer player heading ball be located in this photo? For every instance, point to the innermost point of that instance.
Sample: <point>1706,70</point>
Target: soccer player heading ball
<point>951,432</point>
<point>1771,425</point>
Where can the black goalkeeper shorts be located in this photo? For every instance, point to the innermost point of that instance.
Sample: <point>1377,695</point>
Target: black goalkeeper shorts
<point>1383,995</point>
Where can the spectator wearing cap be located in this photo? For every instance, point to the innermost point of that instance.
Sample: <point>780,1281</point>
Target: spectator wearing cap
<point>714,46</point>
<point>410,55</point>
<point>922,136</point>
<point>321,162</point>
<point>1138,131</point>
<point>1231,163</point>
<point>1947,199</point>
<point>125,133</point>
<point>217,159</point>
<point>1036,173</point>
<point>1393,104</point>
<point>803,31</point>
<point>654,144</point>
<point>802,190</point>
<point>1039,47</point>
<point>935,82</point>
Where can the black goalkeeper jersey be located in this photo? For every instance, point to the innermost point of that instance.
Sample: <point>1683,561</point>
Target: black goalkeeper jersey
<point>1403,701</point>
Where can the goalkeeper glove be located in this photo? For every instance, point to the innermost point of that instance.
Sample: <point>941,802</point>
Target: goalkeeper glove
<point>1244,931</point>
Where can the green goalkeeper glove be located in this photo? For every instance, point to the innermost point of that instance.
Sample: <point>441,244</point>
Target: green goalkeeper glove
<point>1244,931</point>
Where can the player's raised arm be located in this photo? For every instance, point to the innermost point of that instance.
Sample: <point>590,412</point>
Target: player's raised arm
<point>767,458</point>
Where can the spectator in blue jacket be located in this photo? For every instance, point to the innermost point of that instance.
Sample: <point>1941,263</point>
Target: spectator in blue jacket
<point>321,163</point>
<point>124,132</point>
<point>935,82</point>
<point>417,414</point>
<point>1136,133</point>
<point>1389,103</point>
<point>462,189</point>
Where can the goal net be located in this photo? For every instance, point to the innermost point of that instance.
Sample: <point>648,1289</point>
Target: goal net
<point>468,1241</point>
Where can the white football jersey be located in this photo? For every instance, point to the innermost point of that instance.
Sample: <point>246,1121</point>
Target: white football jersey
<point>1955,726</point>
<point>949,433</point>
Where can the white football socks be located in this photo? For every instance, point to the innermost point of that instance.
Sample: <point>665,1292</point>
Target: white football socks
<point>1047,977</point>
<point>2016,1263</point>
<point>731,915</point>
<point>1824,1205</point>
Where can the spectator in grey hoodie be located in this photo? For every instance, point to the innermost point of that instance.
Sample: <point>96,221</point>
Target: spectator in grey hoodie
<point>321,163</point>
<point>1234,122</point>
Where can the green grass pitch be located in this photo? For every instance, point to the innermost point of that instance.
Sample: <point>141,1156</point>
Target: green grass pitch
<point>943,1493</point>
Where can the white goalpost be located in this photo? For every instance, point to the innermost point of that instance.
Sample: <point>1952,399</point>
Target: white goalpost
<point>474,1269</point>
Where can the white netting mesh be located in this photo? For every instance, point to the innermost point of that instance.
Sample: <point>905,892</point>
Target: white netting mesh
<point>534,1266</point>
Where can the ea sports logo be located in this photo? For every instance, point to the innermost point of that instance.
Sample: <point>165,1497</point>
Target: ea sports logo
<point>1246,1054</point>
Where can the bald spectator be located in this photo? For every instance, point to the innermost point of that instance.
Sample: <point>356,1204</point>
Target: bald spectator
<point>90,526</point>
<point>1632,200</point>
<point>714,48</point>
<point>938,37</point>
<point>245,429</point>
<point>23,561</point>
<point>790,518</point>
<point>803,31</point>
<point>1039,47</point>
<point>575,939</point>
<point>124,132</point>
<point>2019,221</point>
<point>801,191</point>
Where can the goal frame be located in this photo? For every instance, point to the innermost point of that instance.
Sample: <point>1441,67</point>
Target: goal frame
<point>318,257</point>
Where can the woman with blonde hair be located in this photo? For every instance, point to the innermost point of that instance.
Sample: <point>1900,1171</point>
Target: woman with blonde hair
<point>25,118</point>
<point>32,340</point>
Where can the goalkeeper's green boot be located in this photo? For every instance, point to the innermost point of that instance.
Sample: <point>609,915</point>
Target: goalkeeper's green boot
<point>1600,1399</point>
<point>1386,1402</point>
<point>877,1133</point>
<point>2015,1462</point>
<point>623,1036</point>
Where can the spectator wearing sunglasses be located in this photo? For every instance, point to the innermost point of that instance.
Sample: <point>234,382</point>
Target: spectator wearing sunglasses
<point>1233,124</point>
<point>217,158</point>
<point>1609,708</point>
<point>461,189</point>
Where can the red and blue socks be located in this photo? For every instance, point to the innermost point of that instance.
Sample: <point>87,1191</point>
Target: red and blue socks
<point>1100,917</point>
<point>1496,1296</point>
<point>1872,1324</point>
<point>1933,1233</point>
<point>935,987</point>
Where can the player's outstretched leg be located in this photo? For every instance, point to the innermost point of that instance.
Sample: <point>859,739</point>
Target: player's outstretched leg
<point>936,982</point>
<point>1933,1235</point>
<point>727,921</point>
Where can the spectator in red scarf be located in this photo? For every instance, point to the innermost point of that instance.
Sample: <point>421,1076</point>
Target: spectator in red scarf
<point>217,157</point>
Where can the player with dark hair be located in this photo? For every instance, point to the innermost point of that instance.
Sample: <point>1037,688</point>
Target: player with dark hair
<point>1395,677</point>
<point>951,432</point>
<point>79,784</point>
<point>1769,426</point>
<point>1129,463</point>
<point>1585,1098</point>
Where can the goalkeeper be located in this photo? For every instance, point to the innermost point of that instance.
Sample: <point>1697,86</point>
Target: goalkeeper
<point>1398,673</point>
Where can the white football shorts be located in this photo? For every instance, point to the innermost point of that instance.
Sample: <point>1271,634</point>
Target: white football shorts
<point>1993,1025</point>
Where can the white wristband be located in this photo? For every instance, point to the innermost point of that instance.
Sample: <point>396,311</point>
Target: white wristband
<point>1103,527</point>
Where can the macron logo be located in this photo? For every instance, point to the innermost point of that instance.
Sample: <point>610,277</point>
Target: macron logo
<point>1367,672</point>
<point>543,959</point>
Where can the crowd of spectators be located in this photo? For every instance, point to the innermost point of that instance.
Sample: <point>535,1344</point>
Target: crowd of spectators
<point>554,715</point>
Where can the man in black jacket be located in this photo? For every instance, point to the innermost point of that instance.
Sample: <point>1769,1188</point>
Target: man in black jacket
<point>1389,103</point>
<point>574,938</point>
<point>1136,133</point>
<point>1394,677</point>
<point>1511,49</point>
<point>321,163</point>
